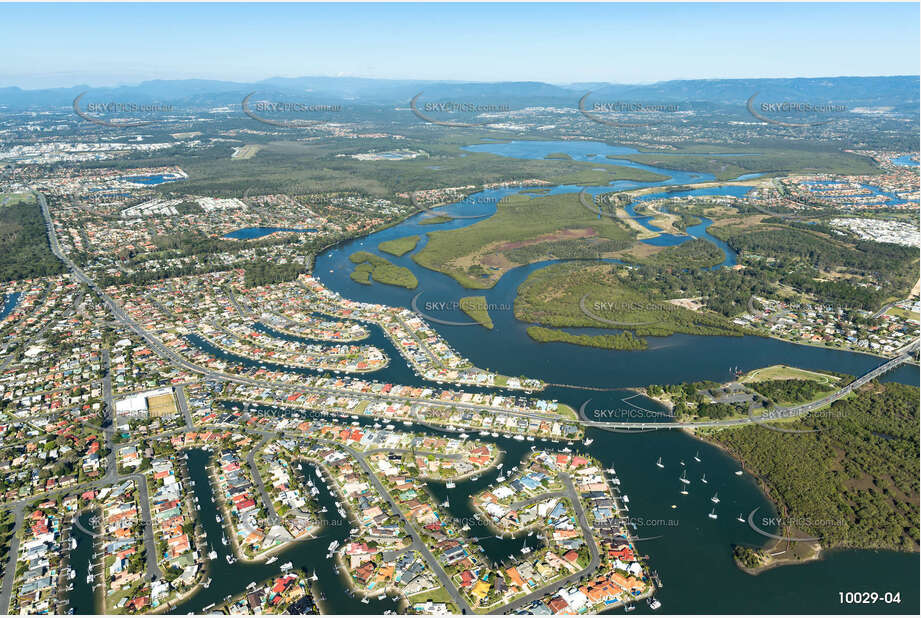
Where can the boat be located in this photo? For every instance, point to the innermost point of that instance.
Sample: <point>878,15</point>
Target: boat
<point>333,546</point>
<point>519,437</point>
<point>697,456</point>
<point>224,540</point>
<point>625,498</point>
<point>73,543</point>
<point>499,467</point>
<point>217,518</point>
<point>463,436</point>
<point>206,584</point>
<point>654,604</point>
<point>659,463</point>
<point>500,479</point>
<point>682,463</point>
<point>494,434</point>
<point>272,560</point>
<point>89,577</point>
<point>230,559</point>
<point>712,514</point>
<point>567,450</point>
<point>703,479</point>
<point>353,531</point>
<point>715,499</point>
<point>684,478</point>
<point>629,608</point>
<point>740,518</point>
<point>212,555</point>
<point>738,473</point>
<point>610,471</point>
<point>365,600</point>
<point>250,585</point>
<point>589,441</point>
<point>450,485</point>
<point>475,478</point>
<point>684,490</point>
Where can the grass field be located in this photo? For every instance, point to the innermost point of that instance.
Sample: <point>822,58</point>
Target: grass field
<point>476,256</point>
<point>783,372</point>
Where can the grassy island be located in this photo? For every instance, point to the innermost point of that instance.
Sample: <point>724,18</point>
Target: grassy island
<point>475,307</point>
<point>380,269</point>
<point>399,246</point>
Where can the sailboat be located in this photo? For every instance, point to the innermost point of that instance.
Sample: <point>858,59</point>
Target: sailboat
<point>684,478</point>
<point>739,518</point>
<point>703,479</point>
<point>712,514</point>
<point>715,499</point>
<point>739,472</point>
<point>684,490</point>
<point>697,457</point>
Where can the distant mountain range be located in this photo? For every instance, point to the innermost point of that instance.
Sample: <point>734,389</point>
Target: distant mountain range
<point>900,92</point>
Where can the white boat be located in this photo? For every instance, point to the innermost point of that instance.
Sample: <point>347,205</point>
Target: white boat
<point>353,531</point>
<point>73,543</point>
<point>625,498</point>
<point>463,436</point>
<point>212,555</point>
<point>217,518</point>
<point>697,456</point>
<point>230,559</point>
<point>494,434</point>
<point>610,471</point>
<point>629,608</point>
<point>684,491</point>
<point>224,540</point>
<point>712,514</point>
<point>589,441</point>
<point>250,585</point>
<point>206,584</point>
<point>89,577</point>
<point>715,499</point>
<point>500,479</point>
<point>703,479</point>
<point>659,463</point>
<point>567,450</point>
<point>272,560</point>
<point>519,437</point>
<point>684,478</point>
<point>740,518</point>
<point>333,546</point>
<point>476,478</point>
<point>738,473</point>
<point>365,600</point>
<point>654,604</point>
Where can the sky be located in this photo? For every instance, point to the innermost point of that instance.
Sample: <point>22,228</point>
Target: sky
<point>51,45</point>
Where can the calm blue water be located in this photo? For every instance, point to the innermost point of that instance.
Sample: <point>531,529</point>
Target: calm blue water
<point>9,303</point>
<point>152,179</point>
<point>891,198</point>
<point>905,160</point>
<point>249,233</point>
